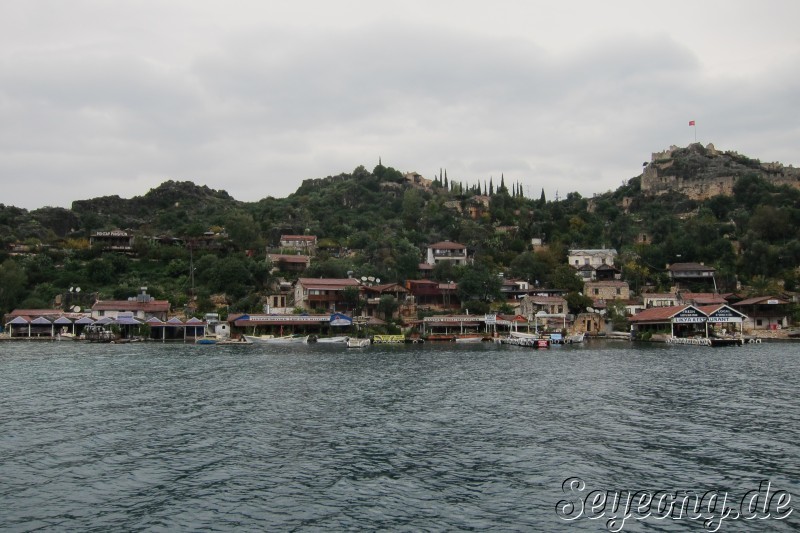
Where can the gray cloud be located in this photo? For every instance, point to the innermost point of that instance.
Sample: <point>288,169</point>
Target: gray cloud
<point>256,108</point>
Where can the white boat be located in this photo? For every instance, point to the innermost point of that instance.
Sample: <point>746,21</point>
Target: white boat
<point>469,338</point>
<point>269,339</point>
<point>358,343</point>
<point>574,338</point>
<point>517,338</point>
<point>333,340</point>
<point>521,335</point>
<point>213,339</point>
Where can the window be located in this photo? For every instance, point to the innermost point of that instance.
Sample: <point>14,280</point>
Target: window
<point>596,292</point>
<point>619,291</point>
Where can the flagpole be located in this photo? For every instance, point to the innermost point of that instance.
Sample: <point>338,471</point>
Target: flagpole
<point>693,125</point>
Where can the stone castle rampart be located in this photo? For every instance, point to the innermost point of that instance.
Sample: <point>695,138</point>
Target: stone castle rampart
<point>703,172</point>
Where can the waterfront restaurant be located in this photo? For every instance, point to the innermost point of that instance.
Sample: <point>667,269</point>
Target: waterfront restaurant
<point>175,329</point>
<point>48,323</point>
<point>687,321</point>
<point>449,327</point>
<point>281,325</point>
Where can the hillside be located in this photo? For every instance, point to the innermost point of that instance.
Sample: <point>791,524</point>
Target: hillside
<point>377,223</point>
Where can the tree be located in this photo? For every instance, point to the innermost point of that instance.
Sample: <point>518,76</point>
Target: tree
<point>13,283</point>
<point>387,305</point>
<point>564,277</point>
<point>243,231</point>
<point>412,207</point>
<point>351,296</point>
<point>478,284</point>
<point>577,302</point>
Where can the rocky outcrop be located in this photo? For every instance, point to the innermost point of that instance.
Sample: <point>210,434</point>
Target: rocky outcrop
<point>701,172</point>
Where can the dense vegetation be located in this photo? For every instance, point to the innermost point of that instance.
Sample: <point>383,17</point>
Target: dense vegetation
<point>375,223</point>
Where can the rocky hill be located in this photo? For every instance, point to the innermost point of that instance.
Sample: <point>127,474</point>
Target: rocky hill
<point>702,172</point>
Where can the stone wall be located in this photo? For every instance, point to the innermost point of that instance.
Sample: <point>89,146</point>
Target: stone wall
<point>704,172</point>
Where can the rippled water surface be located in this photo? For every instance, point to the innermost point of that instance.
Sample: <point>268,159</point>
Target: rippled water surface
<point>419,437</point>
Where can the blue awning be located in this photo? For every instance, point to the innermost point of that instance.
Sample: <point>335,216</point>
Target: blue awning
<point>338,319</point>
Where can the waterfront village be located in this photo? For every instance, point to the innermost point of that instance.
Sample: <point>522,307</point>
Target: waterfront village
<point>321,309</point>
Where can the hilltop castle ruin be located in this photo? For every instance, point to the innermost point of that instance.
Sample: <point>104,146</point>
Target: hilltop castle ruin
<point>701,172</point>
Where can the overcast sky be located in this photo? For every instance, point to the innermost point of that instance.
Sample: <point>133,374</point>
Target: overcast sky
<point>115,97</point>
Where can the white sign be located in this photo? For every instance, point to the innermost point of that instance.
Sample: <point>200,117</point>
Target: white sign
<point>287,318</point>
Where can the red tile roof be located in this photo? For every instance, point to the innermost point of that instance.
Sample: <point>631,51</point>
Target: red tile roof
<point>658,314</point>
<point>131,305</point>
<point>289,258</point>
<point>702,298</point>
<point>760,300</point>
<point>327,283</point>
<point>298,237</point>
<point>447,245</point>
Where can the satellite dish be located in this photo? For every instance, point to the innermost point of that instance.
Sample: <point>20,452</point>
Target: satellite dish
<point>363,278</point>
<point>71,289</point>
<point>371,278</point>
<point>77,289</point>
<point>590,309</point>
<point>76,308</point>
<point>377,280</point>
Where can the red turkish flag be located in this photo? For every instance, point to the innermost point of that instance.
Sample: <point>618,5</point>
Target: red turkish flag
<point>691,122</point>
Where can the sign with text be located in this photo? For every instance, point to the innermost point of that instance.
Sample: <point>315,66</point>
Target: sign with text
<point>724,315</point>
<point>690,315</point>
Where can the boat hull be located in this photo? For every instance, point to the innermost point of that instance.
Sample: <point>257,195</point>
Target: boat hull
<point>277,340</point>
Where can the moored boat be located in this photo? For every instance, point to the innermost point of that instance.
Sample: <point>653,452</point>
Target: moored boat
<point>388,339</point>
<point>575,338</point>
<point>358,343</point>
<point>333,340</point>
<point>469,338</point>
<point>269,339</point>
<point>517,338</point>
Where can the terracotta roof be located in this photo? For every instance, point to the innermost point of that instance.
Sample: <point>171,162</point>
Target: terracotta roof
<point>702,298</point>
<point>298,237</point>
<point>36,312</point>
<point>131,305</point>
<point>392,287</point>
<point>289,258</point>
<point>592,251</point>
<point>327,283</point>
<point>422,282</point>
<point>546,299</point>
<point>684,267</point>
<point>447,245</point>
<point>660,296</point>
<point>607,283</point>
<point>760,300</point>
<point>658,314</point>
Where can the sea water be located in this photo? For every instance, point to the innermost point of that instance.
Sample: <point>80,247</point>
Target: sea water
<point>434,437</point>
